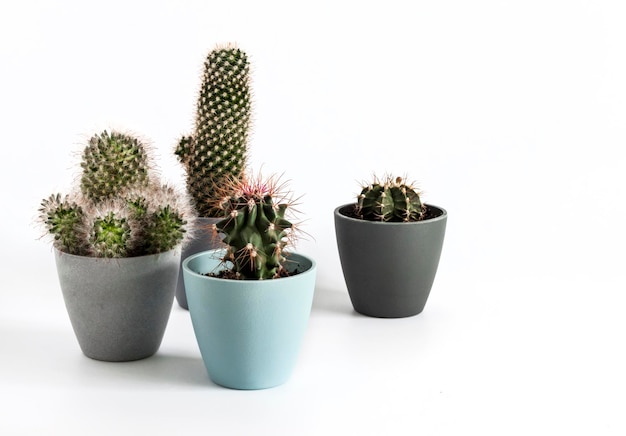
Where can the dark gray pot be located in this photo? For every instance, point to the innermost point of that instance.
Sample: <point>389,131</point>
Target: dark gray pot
<point>389,268</point>
<point>203,240</point>
<point>119,308</point>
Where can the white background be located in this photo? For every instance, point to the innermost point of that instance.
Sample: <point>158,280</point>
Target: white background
<point>510,114</point>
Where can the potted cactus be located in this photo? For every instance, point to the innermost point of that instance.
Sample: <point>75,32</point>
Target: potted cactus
<point>117,244</point>
<point>217,150</point>
<point>250,301</point>
<point>389,245</point>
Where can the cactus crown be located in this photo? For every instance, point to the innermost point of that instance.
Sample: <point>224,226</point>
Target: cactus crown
<point>391,200</point>
<point>119,210</point>
<point>112,163</point>
<point>217,150</point>
<point>111,234</point>
<point>255,228</point>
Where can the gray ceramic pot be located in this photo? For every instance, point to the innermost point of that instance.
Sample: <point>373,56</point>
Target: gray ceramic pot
<point>389,268</point>
<point>203,239</point>
<point>119,308</point>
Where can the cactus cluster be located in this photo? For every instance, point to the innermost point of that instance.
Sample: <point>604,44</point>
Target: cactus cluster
<point>217,150</point>
<point>255,228</point>
<point>119,210</point>
<point>390,199</point>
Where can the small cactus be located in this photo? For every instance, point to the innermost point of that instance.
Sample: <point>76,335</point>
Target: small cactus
<point>130,215</point>
<point>111,233</point>
<point>217,150</point>
<point>64,219</point>
<point>391,200</point>
<point>162,215</point>
<point>111,164</point>
<point>255,228</point>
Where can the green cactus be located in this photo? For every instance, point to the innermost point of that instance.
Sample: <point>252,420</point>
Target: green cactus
<point>389,200</point>
<point>255,229</point>
<point>111,164</point>
<point>164,229</point>
<point>64,218</point>
<point>130,215</point>
<point>161,215</point>
<point>111,233</point>
<point>218,148</point>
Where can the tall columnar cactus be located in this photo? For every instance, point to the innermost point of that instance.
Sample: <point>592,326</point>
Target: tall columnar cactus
<point>255,229</point>
<point>389,200</point>
<point>120,211</point>
<point>218,148</point>
<point>111,164</point>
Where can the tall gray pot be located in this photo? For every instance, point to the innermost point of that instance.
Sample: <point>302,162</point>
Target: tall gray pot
<point>203,240</point>
<point>119,308</point>
<point>389,268</point>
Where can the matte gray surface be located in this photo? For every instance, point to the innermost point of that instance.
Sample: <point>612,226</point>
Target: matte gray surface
<point>119,308</point>
<point>389,268</point>
<point>202,240</point>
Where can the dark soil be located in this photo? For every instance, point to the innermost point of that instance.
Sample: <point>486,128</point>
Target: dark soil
<point>230,275</point>
<point>430,213</point>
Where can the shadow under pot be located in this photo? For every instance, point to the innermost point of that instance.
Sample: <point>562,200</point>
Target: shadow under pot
<point>389,267</point>
<point>119,307</point>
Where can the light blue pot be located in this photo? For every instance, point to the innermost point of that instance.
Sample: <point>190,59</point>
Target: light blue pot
<point>249,331</point>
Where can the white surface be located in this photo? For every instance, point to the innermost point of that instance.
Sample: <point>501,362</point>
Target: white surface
<point>509,114</point>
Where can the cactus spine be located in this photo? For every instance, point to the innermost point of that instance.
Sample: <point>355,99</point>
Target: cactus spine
<point>390,200</point>
<point>256,229</point>
<point>217,150</point>
<point>120,211</point>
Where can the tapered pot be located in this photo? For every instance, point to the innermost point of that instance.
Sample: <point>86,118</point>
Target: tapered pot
<point>389,268</point>
<point>249,331</point>
<point>119,308</point>
<point>203,239</point>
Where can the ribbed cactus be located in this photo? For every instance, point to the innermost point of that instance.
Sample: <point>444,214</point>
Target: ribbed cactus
<point>131,215</point>
<point>218,148</point>
<point>255,229</point>
<point>389,200</point>
<point>111,164</point>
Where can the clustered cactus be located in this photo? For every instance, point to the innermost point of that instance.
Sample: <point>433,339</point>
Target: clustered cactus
<point>217,151</point>
<point>390,199</point>
<point>255,228</point>
<point>119,210</point>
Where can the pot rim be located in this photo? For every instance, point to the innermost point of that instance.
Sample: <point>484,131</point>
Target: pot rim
<point>115,259</point>
<point>212,252</point>
<point>338,213</point>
